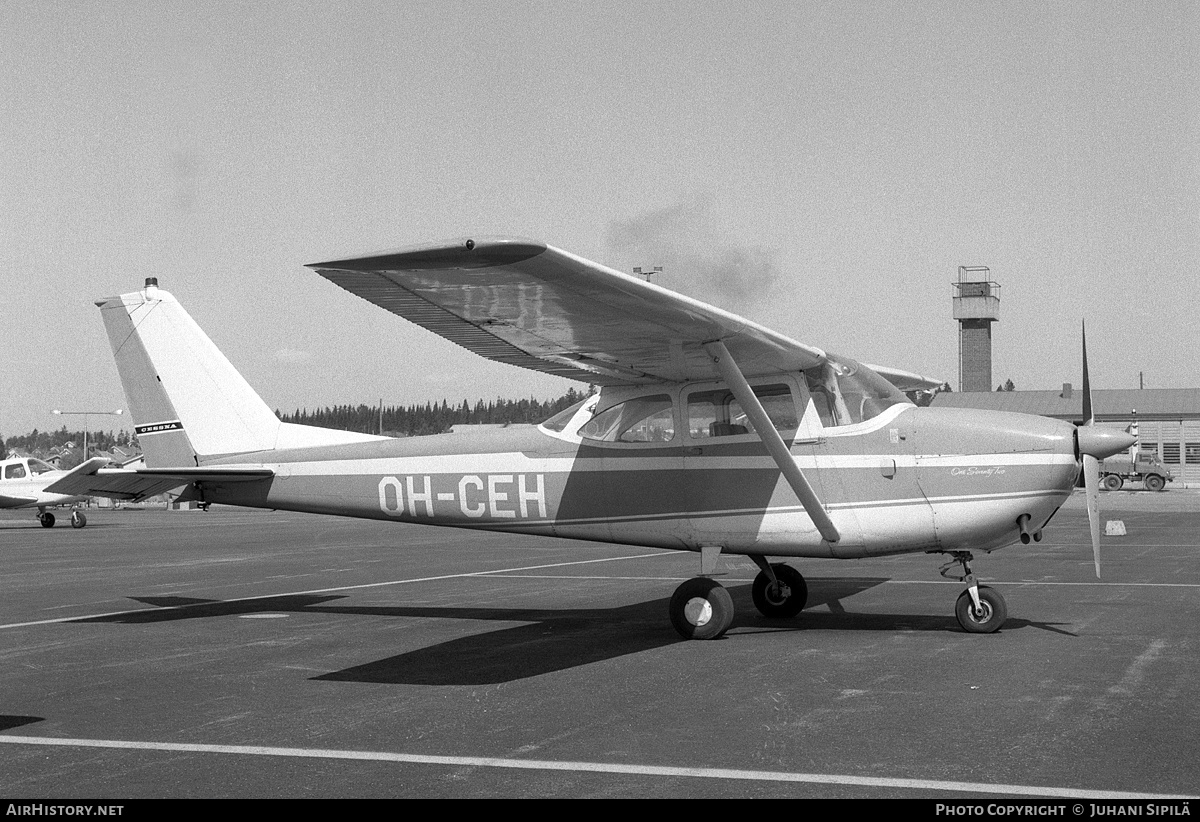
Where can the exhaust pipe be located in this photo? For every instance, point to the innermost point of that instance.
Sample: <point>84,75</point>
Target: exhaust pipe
<point>1026,534</point>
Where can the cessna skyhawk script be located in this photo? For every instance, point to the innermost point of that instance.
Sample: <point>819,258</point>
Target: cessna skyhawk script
<point>710,433</point>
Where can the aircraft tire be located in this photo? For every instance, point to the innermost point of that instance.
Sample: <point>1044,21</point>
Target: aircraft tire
<point>1111,482</point>
<point>769,603</point>
<point>47,519</point>
<point>78,520</point>
<point>995,611</point>
<point>1154,483</point>
<point>701,608</point>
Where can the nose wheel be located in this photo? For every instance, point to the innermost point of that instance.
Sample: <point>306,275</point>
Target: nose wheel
<point>987,617</point>
<point>979,609</point>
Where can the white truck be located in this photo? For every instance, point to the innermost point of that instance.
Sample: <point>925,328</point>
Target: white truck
<point>1147,469</point>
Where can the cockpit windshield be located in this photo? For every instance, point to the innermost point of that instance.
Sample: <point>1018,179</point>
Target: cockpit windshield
<point>845,392</point>
<point>39,467</point>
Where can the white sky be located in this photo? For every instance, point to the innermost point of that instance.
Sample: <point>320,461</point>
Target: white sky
<point>822,167</point>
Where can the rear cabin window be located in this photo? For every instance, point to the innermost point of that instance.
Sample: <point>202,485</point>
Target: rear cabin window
<point>717,413</point>
<point>644,419</point>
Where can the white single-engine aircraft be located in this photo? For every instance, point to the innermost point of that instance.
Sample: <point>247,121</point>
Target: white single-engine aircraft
<point>24,482</point>
<point>710,433</point>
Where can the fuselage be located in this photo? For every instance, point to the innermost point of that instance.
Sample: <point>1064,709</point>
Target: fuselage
<point>906,480</point>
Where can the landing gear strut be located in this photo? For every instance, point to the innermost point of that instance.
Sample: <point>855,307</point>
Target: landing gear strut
<point>78,520</point>
<point>980,609</point>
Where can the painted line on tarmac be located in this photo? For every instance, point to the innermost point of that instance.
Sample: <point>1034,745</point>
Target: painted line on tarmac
<point>497,572</point>
<point>590,767</point>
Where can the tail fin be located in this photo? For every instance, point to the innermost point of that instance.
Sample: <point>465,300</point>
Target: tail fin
<point>187,401</point>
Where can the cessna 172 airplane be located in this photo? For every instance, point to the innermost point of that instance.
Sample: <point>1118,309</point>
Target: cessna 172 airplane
<point>709,433</point>
<point>24,482</point>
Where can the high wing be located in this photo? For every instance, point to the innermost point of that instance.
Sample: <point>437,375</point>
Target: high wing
<point>528,304</point>
<point>136,484</point>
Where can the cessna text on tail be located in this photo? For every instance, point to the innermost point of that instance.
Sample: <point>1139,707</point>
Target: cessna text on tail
<point>709,433</point>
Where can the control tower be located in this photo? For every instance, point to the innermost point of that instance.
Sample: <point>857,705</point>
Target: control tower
<point>976,307</point>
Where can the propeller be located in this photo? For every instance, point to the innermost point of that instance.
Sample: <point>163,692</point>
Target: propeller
<point>1094,445</point>
<point>1091,465</point>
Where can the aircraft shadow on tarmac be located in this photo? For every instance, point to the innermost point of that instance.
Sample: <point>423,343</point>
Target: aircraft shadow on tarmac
<point>549,639</point>
<point>10,721</point>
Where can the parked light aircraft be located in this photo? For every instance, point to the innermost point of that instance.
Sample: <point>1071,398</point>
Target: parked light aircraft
<point>24,482</point>
<point>709,433</point>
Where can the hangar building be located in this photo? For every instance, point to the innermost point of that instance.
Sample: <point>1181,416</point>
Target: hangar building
<point>1168,418</point>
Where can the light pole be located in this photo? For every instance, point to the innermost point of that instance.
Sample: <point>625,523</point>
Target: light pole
<point>86,414</point>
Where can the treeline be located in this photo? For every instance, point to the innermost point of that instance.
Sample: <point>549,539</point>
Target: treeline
<point>432,418</point>
<point>398,421</point>
<point>48,442</point>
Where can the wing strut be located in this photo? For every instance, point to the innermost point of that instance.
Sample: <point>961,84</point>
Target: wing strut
<point>771,439</point>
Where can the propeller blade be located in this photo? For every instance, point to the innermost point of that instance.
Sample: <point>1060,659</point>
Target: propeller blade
<point>1094,443</point>
<point>1091,482</point>
<point>1089,418</point>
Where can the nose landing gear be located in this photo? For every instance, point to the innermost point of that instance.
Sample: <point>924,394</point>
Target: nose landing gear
<point>979,609</point>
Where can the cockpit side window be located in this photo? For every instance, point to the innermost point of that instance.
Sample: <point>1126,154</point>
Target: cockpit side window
<point>643,419</point>
<point>717,413</point>
<point>14,471</point>
<point>39,467</point>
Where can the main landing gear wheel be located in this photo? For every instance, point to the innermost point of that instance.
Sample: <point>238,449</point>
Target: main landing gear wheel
<point>784,598</point>
<point>1112,482</point>
<point>991,614</point>
<point>701,608</point>
<point>46,519</point>
<point>78,520</point>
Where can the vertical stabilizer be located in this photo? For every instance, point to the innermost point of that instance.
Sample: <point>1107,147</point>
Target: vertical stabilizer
<point>187,400</point>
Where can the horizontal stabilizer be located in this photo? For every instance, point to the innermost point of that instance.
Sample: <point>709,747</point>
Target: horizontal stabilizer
<point>136,484</point>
